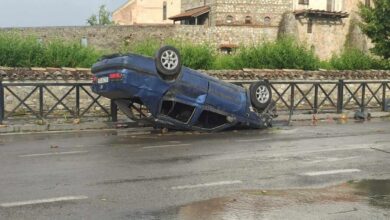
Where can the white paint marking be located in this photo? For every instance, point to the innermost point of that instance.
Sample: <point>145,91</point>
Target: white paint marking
<point>253,140</point>
<point>231,182</point>
<point>332,159</point>
<point>329,172</point>
<point>42,201</point>
<point>54,154</point>
<point>164,146</point>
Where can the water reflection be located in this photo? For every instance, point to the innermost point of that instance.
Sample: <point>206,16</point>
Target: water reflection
<point>256,204</point>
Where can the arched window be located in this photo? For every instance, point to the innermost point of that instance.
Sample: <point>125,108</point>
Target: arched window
<point>248,20</point>
<point>229,19</point>
<point>267,21</point>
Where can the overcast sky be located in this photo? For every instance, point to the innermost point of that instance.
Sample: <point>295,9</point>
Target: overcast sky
<point>32,13</point>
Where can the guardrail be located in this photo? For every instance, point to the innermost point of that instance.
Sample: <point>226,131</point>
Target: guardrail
<point>290,95</point>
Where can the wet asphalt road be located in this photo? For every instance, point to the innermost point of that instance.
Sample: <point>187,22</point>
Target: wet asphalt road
<point>280,173</point>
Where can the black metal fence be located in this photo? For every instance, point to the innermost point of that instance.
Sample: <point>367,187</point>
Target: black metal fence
<point>45,91</point>
<point>289,95</point>
<point>328,96</point>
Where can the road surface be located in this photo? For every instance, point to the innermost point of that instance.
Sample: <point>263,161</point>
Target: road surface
<point>328,171</point>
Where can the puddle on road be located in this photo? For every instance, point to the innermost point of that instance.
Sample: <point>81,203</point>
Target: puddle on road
<point>250,203</point>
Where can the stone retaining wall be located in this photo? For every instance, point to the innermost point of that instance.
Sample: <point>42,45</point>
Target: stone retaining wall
<point>23,74</point>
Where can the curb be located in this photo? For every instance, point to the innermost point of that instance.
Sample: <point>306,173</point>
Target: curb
<point>333,116</point>
<point>58,128</point>
<point>134,128</point>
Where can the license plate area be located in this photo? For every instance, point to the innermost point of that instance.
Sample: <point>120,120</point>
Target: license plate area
<point>103,80</point>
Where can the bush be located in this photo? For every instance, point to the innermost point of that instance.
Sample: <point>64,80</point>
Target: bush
<point>195,56</point>
<point>17,51</point>
<point>59,54</point>
<point>225,61</point>
<point>283,54</point>
<point>354,59</point>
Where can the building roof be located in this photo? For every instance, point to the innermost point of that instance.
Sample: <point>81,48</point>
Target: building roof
<point>191,13</point>
<point>321,13</point>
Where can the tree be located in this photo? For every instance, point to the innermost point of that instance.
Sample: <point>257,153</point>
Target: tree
<point>103,17</point>
<point>376,25</point>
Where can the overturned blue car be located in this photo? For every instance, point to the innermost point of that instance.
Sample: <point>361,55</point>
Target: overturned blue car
<point>178,97</point>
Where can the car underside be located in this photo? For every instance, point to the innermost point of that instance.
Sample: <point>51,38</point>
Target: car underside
<point>178,97</point>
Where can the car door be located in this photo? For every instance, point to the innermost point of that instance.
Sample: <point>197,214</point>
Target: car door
<point>226,97</point>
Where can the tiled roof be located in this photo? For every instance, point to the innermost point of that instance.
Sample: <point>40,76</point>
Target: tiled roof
<point>191,13</point>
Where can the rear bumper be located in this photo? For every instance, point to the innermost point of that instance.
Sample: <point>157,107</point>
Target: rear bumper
<point>111,90</point>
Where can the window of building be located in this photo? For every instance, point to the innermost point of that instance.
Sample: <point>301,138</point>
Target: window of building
<point>267,21</point>
<point>368,3</point>
<point>164,10</point>
<point>229,19</point>
<point>303,2</point>
<point>310,26</point>
<point>248,20</point>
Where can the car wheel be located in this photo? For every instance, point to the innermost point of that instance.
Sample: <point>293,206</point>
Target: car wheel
<point>261,95</point>
<point>168,61</point>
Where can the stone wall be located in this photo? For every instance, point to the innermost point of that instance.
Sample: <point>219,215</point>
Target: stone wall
<point>189,4</point>
<point>226,35</point>
<point>112,38</point>
<point>109,38</point>
<point>81,74</point>
<point>261,12</point>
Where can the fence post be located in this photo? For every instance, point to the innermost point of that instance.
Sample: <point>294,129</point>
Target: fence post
<point>41,101</point>
<point>2,107</point>
<point>340,96</point>
<point>316,98</point>
<point>292,98</point>
<point>77,101</point>
<point>384,87</point>
<point>114,111</point>
<point>363,97</point>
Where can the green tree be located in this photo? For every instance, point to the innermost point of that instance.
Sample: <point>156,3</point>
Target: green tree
<point>103,17</point>
<point>376,25</point>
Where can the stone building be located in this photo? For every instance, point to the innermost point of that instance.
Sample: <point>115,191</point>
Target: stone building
<point>146,12</point>
<point>233,12</point>
<point>324,25</point>
<point>327,26</point>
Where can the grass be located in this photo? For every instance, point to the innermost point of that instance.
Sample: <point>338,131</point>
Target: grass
<point>18,51</point>
<point>284,53</point>
<point>354,59</point>
<point>196,56</point>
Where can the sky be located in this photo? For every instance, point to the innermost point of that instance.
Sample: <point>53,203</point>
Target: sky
<point>37,13</point>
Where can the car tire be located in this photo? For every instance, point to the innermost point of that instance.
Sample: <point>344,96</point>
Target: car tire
<point>168,62</point>
<point>260,95</point>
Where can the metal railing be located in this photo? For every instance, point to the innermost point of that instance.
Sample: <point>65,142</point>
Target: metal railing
<point>328,96</point>
<point>44,91</point>
<point>290,95</point>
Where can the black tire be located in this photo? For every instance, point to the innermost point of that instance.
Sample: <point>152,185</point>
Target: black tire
<point>260,94</point>
<point>168,62</point>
